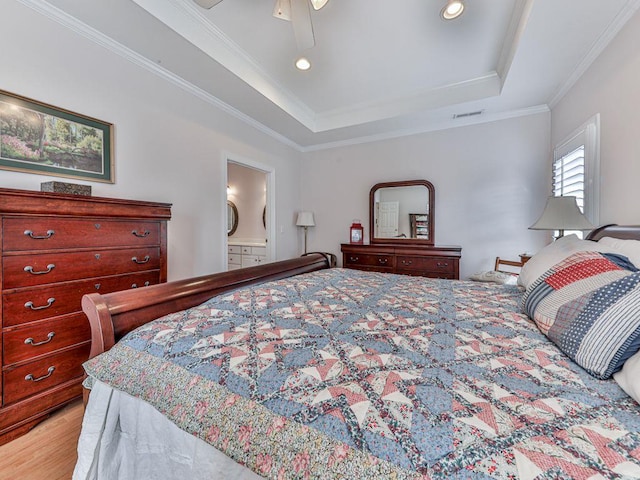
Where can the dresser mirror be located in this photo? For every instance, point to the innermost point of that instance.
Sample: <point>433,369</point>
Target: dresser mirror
<point>402,212</point>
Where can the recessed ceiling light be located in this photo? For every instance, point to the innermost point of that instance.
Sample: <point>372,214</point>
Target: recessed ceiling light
<point>453,9</point>
<point>303,64</point>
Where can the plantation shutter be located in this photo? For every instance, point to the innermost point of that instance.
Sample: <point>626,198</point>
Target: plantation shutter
<point>569,176</point>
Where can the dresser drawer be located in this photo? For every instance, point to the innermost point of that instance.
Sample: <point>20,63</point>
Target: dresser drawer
<point>29,270</point>
<point>436,265</point>
<point>247,250</point>
<point>34,377</point>
<point>37,339</point>
<point>252,260</point>
<point>368,260</point>
<point>235,249</point>
<point>234,259</point>
<point>36,303</point>
<point>38,233</point>
<point>260,251</point>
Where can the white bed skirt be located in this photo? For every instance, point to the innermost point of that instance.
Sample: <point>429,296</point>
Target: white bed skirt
<point>125,438</point>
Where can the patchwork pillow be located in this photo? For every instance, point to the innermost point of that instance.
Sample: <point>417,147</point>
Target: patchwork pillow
<point>589,306</point>
<point>554,253</point>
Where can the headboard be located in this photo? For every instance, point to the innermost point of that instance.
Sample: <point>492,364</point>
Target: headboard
<point>625,232</point>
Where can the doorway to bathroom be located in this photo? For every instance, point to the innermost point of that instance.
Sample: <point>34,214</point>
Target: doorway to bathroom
<point>249,214</point>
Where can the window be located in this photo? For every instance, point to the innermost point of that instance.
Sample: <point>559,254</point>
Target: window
<point>576,169</point>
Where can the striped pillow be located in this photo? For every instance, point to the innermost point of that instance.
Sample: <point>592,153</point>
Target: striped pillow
<point>589,306</point>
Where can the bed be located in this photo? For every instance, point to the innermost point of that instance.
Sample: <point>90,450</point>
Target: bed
<point>296,370</point>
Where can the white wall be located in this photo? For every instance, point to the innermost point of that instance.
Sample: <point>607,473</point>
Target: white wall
<point>169,145</point>
<point>611,87</point>
<point>491,183</point>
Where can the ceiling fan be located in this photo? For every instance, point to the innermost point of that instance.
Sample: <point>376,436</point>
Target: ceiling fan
<point>295,11</point>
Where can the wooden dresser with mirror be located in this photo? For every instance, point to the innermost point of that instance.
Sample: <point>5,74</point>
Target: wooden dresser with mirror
<point>401,233</point>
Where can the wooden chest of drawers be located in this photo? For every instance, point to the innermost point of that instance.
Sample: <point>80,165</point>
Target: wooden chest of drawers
<point>422,260</point>
<point>54,249</point>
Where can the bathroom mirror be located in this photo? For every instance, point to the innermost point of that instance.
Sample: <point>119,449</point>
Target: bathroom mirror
<point>402,212</point>
<point>232,218</point>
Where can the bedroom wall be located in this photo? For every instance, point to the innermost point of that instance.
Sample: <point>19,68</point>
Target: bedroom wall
<point>169,145</point>
<point>610,87</point>
<point>491,183</point>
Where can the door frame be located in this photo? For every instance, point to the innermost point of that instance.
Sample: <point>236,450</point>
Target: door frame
<point>270,196</point>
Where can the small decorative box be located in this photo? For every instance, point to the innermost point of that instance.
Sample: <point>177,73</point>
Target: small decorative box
<point>69,188</point>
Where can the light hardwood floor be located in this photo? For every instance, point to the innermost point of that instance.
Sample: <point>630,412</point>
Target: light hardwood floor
<point>48,452</point>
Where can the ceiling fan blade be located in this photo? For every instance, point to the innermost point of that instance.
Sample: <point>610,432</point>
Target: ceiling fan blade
<point>318,4</point>
<point>207,3</point>
<point>302,27</point>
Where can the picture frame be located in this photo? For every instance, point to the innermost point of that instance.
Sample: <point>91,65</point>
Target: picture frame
<point>43,139</point>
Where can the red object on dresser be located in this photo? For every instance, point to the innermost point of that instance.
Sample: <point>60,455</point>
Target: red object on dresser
<point>356,233</point>
<point>55,248</point>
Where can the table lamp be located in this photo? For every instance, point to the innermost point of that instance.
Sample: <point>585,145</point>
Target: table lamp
<point>305,220</point>
<point>561,213</point>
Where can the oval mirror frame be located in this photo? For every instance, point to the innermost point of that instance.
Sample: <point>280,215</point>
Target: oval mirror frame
<point>232,218</point>
<point>429,223</point>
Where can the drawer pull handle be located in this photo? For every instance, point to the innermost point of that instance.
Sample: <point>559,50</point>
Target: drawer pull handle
<point>31,378</point>
<point>442,264</point>
<point>407,262</point>
<point>140,262</point>
<point>383,260</point>
<point>354,259</point>
<point>29,304</point>
<point>30,269</point>
<point>135,285</point>
<point>29,341</point>
<point>146,233</point>
<point>30,234</point>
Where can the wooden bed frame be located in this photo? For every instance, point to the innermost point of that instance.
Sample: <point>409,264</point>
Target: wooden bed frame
<point>115,314</point>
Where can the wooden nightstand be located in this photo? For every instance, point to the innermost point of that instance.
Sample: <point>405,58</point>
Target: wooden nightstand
<point>524,257</point>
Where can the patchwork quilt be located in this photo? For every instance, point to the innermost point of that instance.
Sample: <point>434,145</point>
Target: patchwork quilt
<point>589,306</point>
<point>349,374</point>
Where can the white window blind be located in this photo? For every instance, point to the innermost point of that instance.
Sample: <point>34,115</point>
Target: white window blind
<point>576,169</point>
<point>568,176</point>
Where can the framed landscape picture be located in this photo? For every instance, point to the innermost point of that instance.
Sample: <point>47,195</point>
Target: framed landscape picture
<point>40,138</point>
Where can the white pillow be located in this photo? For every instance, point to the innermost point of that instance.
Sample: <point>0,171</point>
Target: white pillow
<point>628,248</point>
<point>493,276</point>
<point>629,377</point>
<point>556,252</point>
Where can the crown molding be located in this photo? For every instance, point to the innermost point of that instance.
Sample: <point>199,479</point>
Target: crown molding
<point>75,25</point>
<point>53,13</point>
<point>456,93</point>
<point>186,19</point>
<point>596,49</point>
<point>427,128</point>
<point>517,26</point>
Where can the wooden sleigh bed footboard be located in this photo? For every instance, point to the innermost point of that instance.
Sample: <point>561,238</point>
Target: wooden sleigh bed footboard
<point>113,315</point>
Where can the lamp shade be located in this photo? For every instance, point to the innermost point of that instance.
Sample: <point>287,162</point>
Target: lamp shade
<point>562,213</point>
<point>305,219</point>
